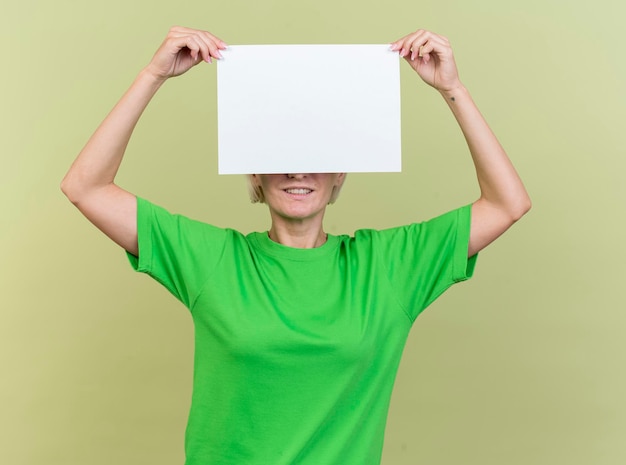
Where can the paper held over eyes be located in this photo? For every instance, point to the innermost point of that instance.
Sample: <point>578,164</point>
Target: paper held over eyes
<point>308,109</point>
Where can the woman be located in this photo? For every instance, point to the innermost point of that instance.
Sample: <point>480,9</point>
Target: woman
<point>298,333</point>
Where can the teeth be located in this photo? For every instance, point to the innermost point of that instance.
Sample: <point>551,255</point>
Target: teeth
<point>298,191</point>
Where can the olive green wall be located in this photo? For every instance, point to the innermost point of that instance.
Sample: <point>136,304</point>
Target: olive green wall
<point>523,365</point>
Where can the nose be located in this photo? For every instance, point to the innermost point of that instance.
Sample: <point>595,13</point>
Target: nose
<point>296,175</point>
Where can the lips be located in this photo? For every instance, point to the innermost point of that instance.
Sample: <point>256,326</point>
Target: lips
<point>298,190</point>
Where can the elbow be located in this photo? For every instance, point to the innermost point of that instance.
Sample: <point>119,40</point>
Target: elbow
<point>520,208</point>
<point>507,212</point>
<point>68,189</point>
<point>72,188</point>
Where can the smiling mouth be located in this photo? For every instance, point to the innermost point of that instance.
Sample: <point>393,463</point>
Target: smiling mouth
<point>300,191</point>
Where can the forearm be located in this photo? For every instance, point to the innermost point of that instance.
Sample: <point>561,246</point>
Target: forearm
<point>503,198</point>
<point>97,164</point>
<point>500,185</point>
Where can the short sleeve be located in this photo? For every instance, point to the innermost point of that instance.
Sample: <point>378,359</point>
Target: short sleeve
<point>176,251</point>
<point>422,260</point>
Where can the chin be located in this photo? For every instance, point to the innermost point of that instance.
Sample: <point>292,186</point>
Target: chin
<point>301,213</point>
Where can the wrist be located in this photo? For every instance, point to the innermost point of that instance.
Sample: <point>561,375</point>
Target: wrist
<point>453,93</point>
<point>148,76</point>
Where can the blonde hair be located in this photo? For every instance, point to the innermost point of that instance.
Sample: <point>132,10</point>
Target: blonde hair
<point>256,193</point>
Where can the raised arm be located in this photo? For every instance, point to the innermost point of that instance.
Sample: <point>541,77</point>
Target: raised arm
<point>90,182</point>
<point>503,199</point>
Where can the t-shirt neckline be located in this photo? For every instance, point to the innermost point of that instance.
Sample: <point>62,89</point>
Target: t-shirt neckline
<point>263,242</point>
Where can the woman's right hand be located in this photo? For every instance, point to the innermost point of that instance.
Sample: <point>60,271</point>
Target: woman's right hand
<point>182,49</point>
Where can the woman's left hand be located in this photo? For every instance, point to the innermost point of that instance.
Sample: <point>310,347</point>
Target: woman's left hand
<point>430,55</point>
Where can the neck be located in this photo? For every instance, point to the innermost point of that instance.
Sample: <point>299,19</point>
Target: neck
<point>298,235</point>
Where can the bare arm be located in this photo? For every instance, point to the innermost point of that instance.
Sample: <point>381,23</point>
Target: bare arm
<point>503,199</point>
<point>90,181</point>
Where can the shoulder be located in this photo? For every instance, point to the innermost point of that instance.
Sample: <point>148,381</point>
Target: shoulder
<point>450,218</point>
<point>153,217</point>
<point>448,227</point>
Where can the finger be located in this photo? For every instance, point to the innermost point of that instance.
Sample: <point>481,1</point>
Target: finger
<point>206,36</point>
<point>218,42</point>
<point>397,45</point>
<point>420,44</point>
<point>187,30</point>
<point>200,43</point>
<point>422,51</point>
<point>435,43</point>
<point>212,44</point>
<point>403,45</point>
<point>197,49</point>
<point>209,45</point>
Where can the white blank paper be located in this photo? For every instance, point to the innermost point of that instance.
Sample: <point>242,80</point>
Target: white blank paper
<point>308,109</point>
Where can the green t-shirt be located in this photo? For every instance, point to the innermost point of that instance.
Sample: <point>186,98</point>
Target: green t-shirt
<point>296,350</point>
